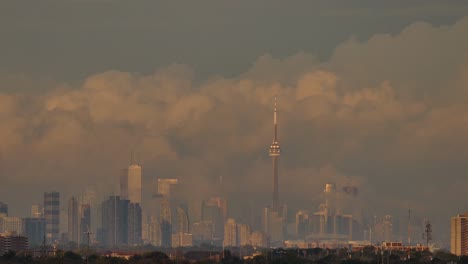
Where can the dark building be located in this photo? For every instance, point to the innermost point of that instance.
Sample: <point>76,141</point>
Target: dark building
<point>115,221</point>
<point>52,215</point>
<point>13,243</point>
<point>134,224</point>
<point>85,223</point>
<point>3,209</point>
<point>35,230</point>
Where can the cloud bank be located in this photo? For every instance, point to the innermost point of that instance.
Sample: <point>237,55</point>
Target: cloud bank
<point>388,114</point>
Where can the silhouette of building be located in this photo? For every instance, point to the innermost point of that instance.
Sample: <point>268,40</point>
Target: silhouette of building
<point>73,224</point>
<point>34,229</point>
<point>85,223</point>
<point>134,224</point>
<point>459,235</point>
<point>52,215</point>
<point>114,221</point>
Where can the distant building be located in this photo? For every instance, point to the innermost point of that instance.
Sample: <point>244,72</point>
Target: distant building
<point>13,243</point>
<point>459,235</point>
<point>214,210</point>
<point>73,224</point>
<point>130,184</point>
<point>52,215</point>
<point>182,240</point>
<point>182,221</point>
<point>164,186</point>
<point>3,209</point>
<point>165,221</point>
<point>37,211</point>
<point>243,234</point>
<point>134,224</point>
<point>114,221</point>
<point>35,230</point>
<point>202,231</point>
<point>259,239</point>
<point>85,223</point>
<point>230,233</point>
<point>11,225</point>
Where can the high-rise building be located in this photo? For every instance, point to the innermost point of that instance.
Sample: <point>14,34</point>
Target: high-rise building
<point>302,223</point>
<point>243,234</point>
<point>230,233</point>
<point>73,224</point>
<point>130,184</point>
<point>202,231</point>
<point>85,223</point>
<point>154,232</point>
<point>165,221</point>
<point>3,209</point>
<point>13,243</point>
<point>37,211</point>
<point>274,153</point>
<point>52,215</point>
<point>182,240</point>
<point>259,239</point>
<point>459,235</point>
<point>182,220</point>
<point>214,210</point>
<point>134,224</point>
<point>34,229</point>
<point>114,221</point>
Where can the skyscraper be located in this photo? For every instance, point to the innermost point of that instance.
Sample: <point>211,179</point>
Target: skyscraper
<point>37,211</point>
<point>52,215</point>
<point>130,183</point>
<point>73,224</point>
<point>85,223</point>
<point>3,209</point>
<point>134,224</point>
<point>274,153</point>
<point>459,235</point>
<point>34,229</point>
<point>230,233</point>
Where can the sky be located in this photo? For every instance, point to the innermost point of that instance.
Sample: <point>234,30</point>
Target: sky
<point>370,93</point>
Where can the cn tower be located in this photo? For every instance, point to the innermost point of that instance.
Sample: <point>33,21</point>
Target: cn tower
<point>274,153</point>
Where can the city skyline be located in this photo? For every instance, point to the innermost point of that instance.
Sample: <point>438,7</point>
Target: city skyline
<point>376,102</point>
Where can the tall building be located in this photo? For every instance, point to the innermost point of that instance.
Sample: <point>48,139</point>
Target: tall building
<point>215,210</point>
<point>37,211</point>
<point>52,215</point>
<point>73,224</point>
<point>459,235</point>
<point>182,240</point>
<point>274,153</point>
<point>230,233</point>
<point>165,221</point>
<point>85,223</point>
<point>34,229</point>
<point>130,183</point>
<point>164,186</point>
<point>3,209</point>
<point>134,224</point>
<point>182,220</point>
<point>115,221</point>
<point>243,234</point>
<point>202,231</point>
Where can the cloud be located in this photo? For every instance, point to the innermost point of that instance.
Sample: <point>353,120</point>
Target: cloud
<point>371,116</point>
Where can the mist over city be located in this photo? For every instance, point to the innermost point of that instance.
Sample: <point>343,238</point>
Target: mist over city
<point>310,124</point>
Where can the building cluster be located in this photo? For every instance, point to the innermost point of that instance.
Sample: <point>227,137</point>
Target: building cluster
<point>170,218</point>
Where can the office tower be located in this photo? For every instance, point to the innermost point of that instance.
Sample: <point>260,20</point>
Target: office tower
<point>459,235</point>
<point>73,224</point>
<point>243,234</point>
<point>34,229</point>
<point>12,225</point>
<point>3,209</point>
<point>277,232</point>
<point>274,153</point>
<point>130,183</point>
<point>114,221</point>
<point>134,224</point>
<point>230,233</point>
<point>182,221</point>
<point>85,223</point>
<point>52,215</point>
<point>37,211</point>
<point>165,221</point>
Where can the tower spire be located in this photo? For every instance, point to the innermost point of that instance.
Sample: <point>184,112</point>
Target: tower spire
<point>274,153</point>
